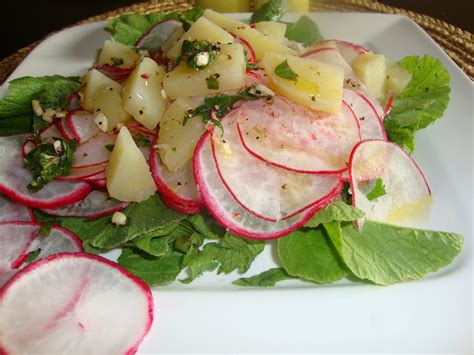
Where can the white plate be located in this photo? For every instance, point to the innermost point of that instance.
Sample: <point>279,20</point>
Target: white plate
<point>432,315</point>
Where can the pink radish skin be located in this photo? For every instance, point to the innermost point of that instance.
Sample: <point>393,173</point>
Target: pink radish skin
<point>403,181</point>
<point>82,125</point>
<point>81,174</point>
<point>50,134</point>
<point>388,106</point>
<point>14,179</point>
<point>78,318</point>
<point>158,34</point>
<point>228,212</point>
<point>187,200</point>
<point>73,102</point>
<point>349,51</point>
<point>95,205</point>
<point>64,129</point>
<point>14,212</point>
<point>27,147</point>
<point>259,187</point>
<point>296,139</point>
<point>115,73</point>
<point>251,58</point>
<point>94,152</point>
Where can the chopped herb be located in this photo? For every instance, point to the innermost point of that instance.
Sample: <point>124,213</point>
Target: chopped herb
<point>212,82</point>
<point>116,61</point>
<point>198,54</point>
<point>270,11</point>
<point>173,149</point>
<point>141,140</point>
<point>251,66</point>
<point>49,161</point>
<point>32,255</point>
<point>284,71</point>
<point>377,191</point>
<point>109,147</point>
<point>45,228</point>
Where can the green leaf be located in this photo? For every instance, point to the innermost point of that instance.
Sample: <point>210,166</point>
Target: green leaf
<point>16,125</point>
<point>377,191</point>
<point>191,50</point>
<point>154,271</point>
<point>309,255</point>
<point>198,262</point>
<point>386,254</point>
<point>404,137</point>
<point>284,71</point>
<point>304,31</point>
<point>206,225</point>
<point>158,242</point>
<point>422,102</point>
<point>270,11</point>
<point>336,211</point>
<point>213,82</point>
<point>191,16</point>
<point>265,279</point>
<point>45,228</point>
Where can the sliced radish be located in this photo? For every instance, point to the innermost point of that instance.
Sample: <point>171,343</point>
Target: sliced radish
<point>266,191</point>
<point>82,125</point>
<point>14,178</point>
<point>178,190</point>
<point>27,147</point>
<point>349,51</point>
<point>19,239</point>
<point>50,134</point>
<point>371,126</point>
<point>81,174</point>
<point>407,194</point>
<point>74,303</point>
<point>291,137</point>
<point>228,212</point>
<point>100,184</point>
<point>114,73</point>
<point>73,102</point>
<point>64,129</point>
<point>388,106</point>
<point>159,34</point>
<point>14,212</point>
<point>94,152</point>
<point>96,204</point>
<point>249,51</point>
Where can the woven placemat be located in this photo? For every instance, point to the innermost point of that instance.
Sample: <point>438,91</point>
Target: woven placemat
<point>457,43</point>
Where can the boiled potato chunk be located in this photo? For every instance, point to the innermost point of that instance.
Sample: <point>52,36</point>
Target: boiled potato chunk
<point>202,29</point>
<point>93,81</point>
<point>293,5</point>
<point>397,78</point>
<point>230,66</point>
<point>177,142</point>
<point>128,175</point>
<point>225,6</point>
<point>260,43</point>
<point>141,93</point>
<point>272,29</point>
<point>318,85</point>
<point>372,70</point>
<point>113,52</point>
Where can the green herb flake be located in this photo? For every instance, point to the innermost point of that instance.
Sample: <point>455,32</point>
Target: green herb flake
<point>304,31</point>
<point>377,191</point>
<point>270,11</point>
<point>198,55</point>
<point>251,66</point>
<point>116,61</point>
<point>284,71</point>
<point>141,140</point>
<point>213,82</point>
<point>265,279</point>
<point>45,228</point>
<point>110,147</point>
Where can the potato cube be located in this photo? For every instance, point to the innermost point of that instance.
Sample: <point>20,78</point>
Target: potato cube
<point>372,70</point>
<point>397,78</point>
<point>272,29</point>
<point>113,52</point>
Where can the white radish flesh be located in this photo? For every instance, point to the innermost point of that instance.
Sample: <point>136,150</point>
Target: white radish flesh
<point>83,304</point>
<point>14,212</point>
<point>82,125</point>
<point>94,152</point>
<point>64,129</point>
<point>159,34</point>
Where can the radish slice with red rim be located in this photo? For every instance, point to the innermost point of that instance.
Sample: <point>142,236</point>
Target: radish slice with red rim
<point>266,191</point>
<point>406,196</point>
<point>248,49</point>
<point>14,212</point>
<point>159,34</point>
<point>114,73</point>
<point>94,152</point>
<point>371,126</point>
<point>77,297</point>
<point>14,178</point>
<point>73,102</point>
<point>27,147</point>
<point>50,134</point>
<point>82,125</point>
<point>19,239</point>
<point>96,204</point>
<point>64,129</point>
<point>228,212</point>
<point>294,138</point>
<point>81,174</point>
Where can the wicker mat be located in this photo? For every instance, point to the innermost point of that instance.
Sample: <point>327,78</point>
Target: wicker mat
<point>457,43</point>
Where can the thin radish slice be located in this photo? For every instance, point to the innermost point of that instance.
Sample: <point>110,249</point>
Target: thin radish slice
<point>83,304</point>
<point>99,184</point>
<point>291,137</point>
<point>64,129</point>
<point>14,212</point>
<point>248,49</point>
<point>14,178</point>
<point>159,34</point>
<point>114,73</point>
<point>27,147</point>
<point>82,125</point>
<point>349,51</point>
<point>388,106</point>
<point>81,174</point>
<point>407,194</point>
<point>266,191</point>
<point>96,204</point>
<point>228,212</point>
<point>50,134</point>
<point>19,239</point>
<point>73,102</point>
<point>178,190</point>
<point>371,126</point>
<point>94,152</point>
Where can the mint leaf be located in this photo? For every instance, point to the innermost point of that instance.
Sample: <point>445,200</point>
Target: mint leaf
<point>284,71</point>
<point>197,262</point>
<point>158,242</point>
<point>270,11</point>
<point>265,279</point>
<point>377,191</point>
<point>386,254</point>
<point>336,211</point>
<point>422,102</point>
<point>154,271</point>
<point>206,225</point>
<point>309,255</point>
<point>304,31</point>
<point>213,82</point>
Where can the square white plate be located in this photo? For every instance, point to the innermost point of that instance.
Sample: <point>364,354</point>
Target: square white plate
<point>433,315</point>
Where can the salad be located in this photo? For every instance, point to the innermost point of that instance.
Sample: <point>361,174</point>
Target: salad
<point>194,139</point>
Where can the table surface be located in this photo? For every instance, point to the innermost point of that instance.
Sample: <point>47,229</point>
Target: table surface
<point>24,24</point>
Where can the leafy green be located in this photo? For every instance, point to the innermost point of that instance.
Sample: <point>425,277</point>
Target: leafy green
<point>140,140</point>
<point>270,11</point>
<point>284,71</point>
<point>212,82</point>
<point>377,191</point>
<point>309,255</point>
<point>265,279</point>
<point>421,103</point>
<point>206,225</point>
<point>304,31</point>
<point>48,162</point>
<point>336,211</point>
<point>45,228</point>
<point>157,243</point>
<point>190,16</point>
<point>192,50</point>
<point>198,262</point>
<point>386,254</point>
<point>154,271</point>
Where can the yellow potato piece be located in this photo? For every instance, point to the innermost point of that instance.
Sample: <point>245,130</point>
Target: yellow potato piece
<point>128,175</point>
<point>272,29</point>
<point>372,70</point>
<point>397,78</point>
<point>114,50</point>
